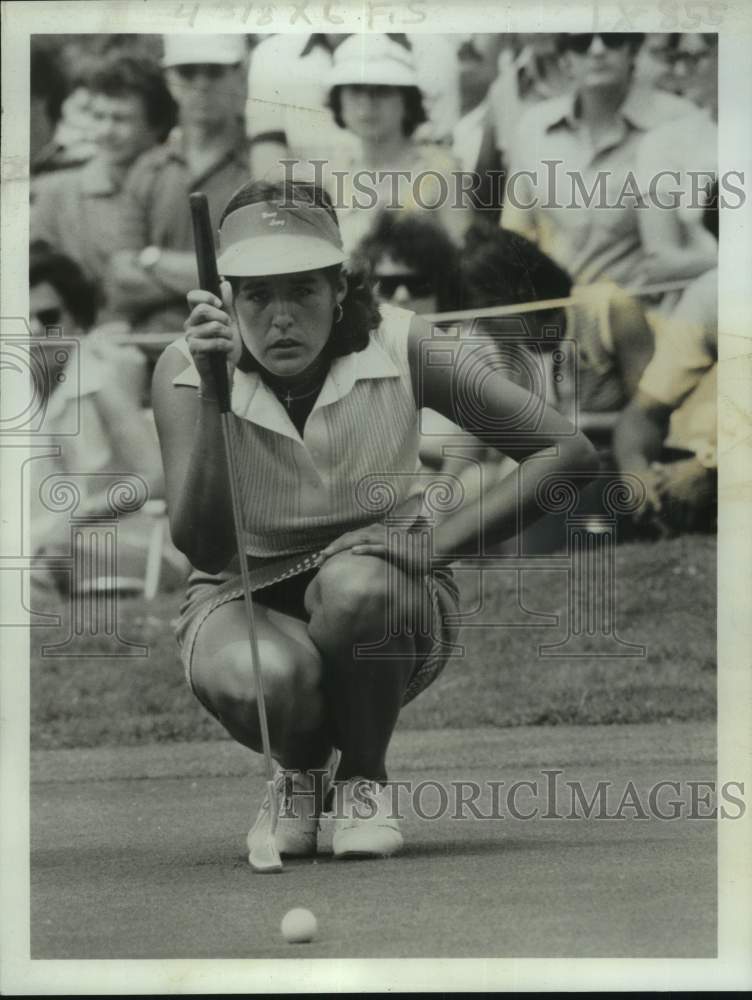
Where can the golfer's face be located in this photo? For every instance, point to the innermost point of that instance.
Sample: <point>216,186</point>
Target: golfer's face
<point>286,319</point>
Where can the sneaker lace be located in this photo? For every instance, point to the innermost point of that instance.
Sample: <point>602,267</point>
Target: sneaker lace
<point>368,791</point>
<point>365,792</point>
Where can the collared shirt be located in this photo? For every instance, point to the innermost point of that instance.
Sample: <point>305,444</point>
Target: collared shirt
<point>523,80</point>
<point>589,242</point>
<point>78,211</point>
<point>155,199</point>
<point>682,372</point>
<point>358,452</point>
<point>428,189</point>
<point>675,147</point>
<point>155,210</point>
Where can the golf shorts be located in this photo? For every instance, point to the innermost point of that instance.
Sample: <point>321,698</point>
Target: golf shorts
<point>434,643</point>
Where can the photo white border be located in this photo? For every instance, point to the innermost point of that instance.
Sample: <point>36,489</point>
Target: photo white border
<point>733,967</point>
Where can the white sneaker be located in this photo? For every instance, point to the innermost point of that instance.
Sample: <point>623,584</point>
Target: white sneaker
<point>299,798</point>
<point>364,826</point>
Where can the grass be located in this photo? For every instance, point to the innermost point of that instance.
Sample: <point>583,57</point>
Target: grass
<point>665,601</point>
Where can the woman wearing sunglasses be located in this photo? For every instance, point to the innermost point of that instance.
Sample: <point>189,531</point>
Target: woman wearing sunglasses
<point>574,158</point>
<point>325,396</point>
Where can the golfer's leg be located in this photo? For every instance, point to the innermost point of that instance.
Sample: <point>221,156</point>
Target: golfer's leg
<point>348,602</point>
<point>222,676</point>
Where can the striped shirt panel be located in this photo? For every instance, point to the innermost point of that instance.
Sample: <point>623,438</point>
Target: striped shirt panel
<point>357,458</point>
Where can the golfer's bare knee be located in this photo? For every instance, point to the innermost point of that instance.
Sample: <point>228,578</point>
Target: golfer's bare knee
<point>226,683</point>
<point>349,600</point>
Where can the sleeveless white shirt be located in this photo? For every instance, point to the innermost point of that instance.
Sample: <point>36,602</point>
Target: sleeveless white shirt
<point>357,458</point>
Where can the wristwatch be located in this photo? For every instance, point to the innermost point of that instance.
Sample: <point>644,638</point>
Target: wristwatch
<point>149,257</point>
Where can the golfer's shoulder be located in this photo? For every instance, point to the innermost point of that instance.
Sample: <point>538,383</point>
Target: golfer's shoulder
<point>391,335</point>
<point>175,367</point>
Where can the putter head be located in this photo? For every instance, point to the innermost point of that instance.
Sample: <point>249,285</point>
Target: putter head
<point>265,857</point>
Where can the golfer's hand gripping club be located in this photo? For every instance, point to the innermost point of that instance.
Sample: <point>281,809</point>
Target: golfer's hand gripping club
<point>265,859</point>
<point>208,278</point>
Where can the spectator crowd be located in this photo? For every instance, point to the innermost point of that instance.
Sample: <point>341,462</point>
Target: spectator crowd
<point>473,176</point>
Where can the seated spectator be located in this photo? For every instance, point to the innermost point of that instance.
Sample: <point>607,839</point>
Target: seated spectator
<point>529,71</point>
<point>115,433</point>
<point>153,263</point>
<point>479,57</point>
<point>677,165</point>
<point>655,61</point>
<point>412,263</point>
<point>61,126</point>
<point>77,211</point>
<point>374,94</point>
<point>667,434</point>
<point>613,339</point>
<point>594,132</point>
<point>48,87</point>
<point>287,114</point>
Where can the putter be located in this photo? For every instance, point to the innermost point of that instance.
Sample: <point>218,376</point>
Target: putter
<point>264,858</point>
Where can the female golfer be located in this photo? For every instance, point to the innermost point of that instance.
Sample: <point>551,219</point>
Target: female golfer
<point>325,396</point>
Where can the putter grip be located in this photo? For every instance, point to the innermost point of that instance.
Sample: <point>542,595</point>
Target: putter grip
<point>208,278</point>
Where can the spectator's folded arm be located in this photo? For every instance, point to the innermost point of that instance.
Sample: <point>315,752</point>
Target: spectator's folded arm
<point>640,432</point>
<point>131,289</point>
<point>632,337</point>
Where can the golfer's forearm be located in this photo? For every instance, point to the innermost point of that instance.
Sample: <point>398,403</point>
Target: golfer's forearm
<point>497,514</point>
<point>201,522</point>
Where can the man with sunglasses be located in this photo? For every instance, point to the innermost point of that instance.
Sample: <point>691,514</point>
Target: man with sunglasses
<point>573,157</point>
<point>154,265</point>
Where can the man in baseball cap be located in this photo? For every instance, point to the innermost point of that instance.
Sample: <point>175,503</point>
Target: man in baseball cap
<point>154,266</point>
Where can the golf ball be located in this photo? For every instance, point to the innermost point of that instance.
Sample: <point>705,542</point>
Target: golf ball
<point>298,926</point>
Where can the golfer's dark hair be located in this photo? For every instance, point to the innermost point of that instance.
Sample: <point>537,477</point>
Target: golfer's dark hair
<point>125,75</point>
<point>423,245</point>
<point>360,312</point>
<point>67,278</point>
<point>502,268</point>
<point>415,112</point>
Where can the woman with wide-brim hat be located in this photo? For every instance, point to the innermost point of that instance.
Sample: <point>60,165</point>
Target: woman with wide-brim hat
<point>326,390</point>
<point>374,94</point>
